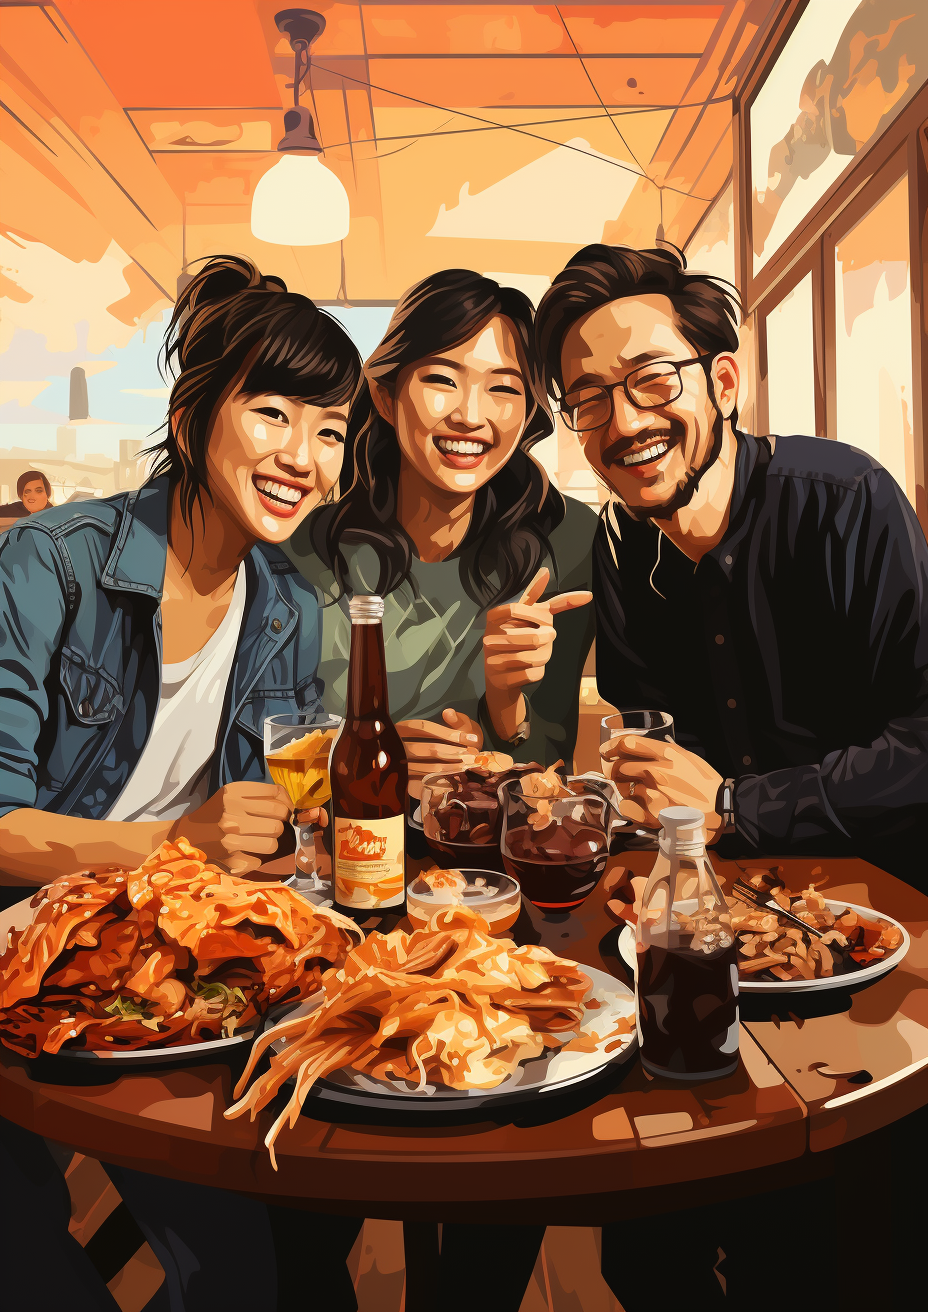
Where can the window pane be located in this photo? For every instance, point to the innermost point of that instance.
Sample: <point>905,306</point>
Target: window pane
<point>873,337</point>
<point>791,363</point>
<point>843,75</point>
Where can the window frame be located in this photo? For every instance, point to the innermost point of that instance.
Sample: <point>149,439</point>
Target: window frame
<point>901,150</point>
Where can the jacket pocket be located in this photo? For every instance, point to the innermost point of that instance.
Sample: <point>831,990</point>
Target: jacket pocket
<point>93,696</point>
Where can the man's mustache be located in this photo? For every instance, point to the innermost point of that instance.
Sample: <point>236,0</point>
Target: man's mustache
<point>621,447</point>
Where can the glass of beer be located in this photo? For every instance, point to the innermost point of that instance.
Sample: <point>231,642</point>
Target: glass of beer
<point>296,749</point>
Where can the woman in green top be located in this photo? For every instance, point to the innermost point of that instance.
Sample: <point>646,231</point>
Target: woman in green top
<point>444,512</point>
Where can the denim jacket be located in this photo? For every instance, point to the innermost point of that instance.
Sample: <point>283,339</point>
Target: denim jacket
<point>80,653</point>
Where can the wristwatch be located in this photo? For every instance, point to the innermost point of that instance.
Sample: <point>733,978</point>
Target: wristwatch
<point>725,805</point>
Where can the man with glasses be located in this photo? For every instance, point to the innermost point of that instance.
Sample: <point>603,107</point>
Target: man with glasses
<point>770,593</point>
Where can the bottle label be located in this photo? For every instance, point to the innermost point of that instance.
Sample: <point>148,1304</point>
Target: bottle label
<point>368,858</point>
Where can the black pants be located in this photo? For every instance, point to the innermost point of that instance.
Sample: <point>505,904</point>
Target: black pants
<point>44,1268</point>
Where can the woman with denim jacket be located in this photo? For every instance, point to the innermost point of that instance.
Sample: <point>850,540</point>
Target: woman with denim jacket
<point>143,640</point>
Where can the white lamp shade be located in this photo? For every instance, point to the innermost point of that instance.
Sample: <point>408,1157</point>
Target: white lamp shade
<point>299,202</point>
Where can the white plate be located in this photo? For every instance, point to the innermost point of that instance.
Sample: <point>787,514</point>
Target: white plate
<point>555,1069</point>
<point>850,980</point>
<point>164,1056</point>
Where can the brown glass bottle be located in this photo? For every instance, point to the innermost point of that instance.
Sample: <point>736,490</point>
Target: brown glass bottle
<point>369,775</point>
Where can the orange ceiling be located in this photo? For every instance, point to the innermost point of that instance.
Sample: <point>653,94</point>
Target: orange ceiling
<point>456,129</point>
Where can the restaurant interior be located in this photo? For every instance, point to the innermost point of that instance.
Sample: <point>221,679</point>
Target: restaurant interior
<point>781,144</point>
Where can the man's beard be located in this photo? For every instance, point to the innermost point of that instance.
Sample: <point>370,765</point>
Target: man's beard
<point>686,488</point>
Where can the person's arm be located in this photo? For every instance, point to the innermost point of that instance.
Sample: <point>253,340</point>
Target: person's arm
<point>238,825</point>
<point>860,793</point>
<point>868,790</point>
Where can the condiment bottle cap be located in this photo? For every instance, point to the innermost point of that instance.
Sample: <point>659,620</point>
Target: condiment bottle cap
<point>366,610</point>
<point>682,821</point>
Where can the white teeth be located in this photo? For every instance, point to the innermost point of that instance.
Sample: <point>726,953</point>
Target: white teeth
<point>280,491</point>
<point>649,453</point>
<point>459,448</point>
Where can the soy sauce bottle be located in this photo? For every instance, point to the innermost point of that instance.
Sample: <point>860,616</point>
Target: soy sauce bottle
<point>369,776</point>
<point>687,985</point>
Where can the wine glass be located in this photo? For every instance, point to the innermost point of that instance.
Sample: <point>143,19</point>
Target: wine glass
<point>641,724</point>
<point>557,847</point>
<point>296,750</point>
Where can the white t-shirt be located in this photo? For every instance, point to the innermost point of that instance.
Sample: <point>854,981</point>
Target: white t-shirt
<point>172,776</point>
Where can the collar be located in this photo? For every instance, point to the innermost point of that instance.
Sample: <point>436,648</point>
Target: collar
<point>136,563</point>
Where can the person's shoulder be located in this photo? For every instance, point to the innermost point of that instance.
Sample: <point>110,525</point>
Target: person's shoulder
<point>572,539</point>
<point>820,460</point>
<point>93,517</point>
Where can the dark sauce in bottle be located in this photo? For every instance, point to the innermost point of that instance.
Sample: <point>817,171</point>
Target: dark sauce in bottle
<point>688,1009</point>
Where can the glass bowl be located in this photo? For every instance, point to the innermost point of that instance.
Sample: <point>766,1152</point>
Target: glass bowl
<point>461,816</point>
<point>495,896</point>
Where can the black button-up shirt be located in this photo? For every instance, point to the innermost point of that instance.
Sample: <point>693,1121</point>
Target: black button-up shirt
<point>793,656</point>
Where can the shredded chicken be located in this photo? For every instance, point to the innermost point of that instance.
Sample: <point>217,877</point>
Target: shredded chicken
<point>175,952</point>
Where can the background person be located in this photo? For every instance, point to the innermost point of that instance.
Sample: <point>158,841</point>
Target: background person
<point>444,512</point>
<point>144,642</point>
<point>34,492</point>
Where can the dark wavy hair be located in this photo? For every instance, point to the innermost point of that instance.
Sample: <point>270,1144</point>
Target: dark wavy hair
<point>513,513</point>
<point>707,308</point>
<point>236,330</point>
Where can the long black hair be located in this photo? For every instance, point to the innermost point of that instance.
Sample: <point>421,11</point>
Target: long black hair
<point>234,327</point>
<point>513,513</point>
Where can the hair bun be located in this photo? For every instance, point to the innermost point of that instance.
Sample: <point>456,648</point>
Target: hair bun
<point>224,276</point>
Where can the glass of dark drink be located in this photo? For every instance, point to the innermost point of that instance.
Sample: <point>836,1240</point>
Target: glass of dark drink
<point>557,846</point>
<point>638,724</point>
<point>462,814</point>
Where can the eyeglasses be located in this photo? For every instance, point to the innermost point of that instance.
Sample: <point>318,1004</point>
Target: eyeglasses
<point>647,388</point>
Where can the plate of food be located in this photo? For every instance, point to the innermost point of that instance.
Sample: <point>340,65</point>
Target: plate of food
<point>857,946</point>
<point>163,963</point>
<point>446,1017</point>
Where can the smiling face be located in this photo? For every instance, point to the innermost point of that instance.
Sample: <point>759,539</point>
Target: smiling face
<point>651,459</point>
<point>271,459</point>
<point>459,415</point>
<point>34,497</point>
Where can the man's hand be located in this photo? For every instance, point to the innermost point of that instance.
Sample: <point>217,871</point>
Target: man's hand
<point>517,645</point>
<point>239,826</point>
<point>663,774</point>
<point>431,746</point>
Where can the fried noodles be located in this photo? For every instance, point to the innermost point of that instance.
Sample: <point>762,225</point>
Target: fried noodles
<point>445,1005</point>
<point>175,952</point>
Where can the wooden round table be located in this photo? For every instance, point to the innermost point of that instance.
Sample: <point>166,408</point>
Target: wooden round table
<point>814,1073</point>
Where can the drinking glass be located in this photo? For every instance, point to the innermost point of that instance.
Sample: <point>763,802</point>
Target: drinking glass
<point>557,847</point>
<point>296,750</point>
<point>641,724</point>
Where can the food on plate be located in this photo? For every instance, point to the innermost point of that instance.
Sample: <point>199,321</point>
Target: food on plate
<point>495,896</point>
<point>773,949</point>
<point>446,1005</point>
<point>175,952</point>
<point>463,807</point>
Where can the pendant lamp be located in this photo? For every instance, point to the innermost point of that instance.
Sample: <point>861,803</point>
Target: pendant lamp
<point>299,202</point>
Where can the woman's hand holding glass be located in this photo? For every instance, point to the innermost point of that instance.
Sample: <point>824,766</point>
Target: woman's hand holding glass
<point>431,746</point>
<point>517,645</point>
<point>238,826</point>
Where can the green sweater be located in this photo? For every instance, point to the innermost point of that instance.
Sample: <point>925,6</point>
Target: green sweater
<point>434,641</point>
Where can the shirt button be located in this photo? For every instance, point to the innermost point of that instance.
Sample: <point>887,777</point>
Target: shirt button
<point>728,560</point>
<point>732,703</point>
<point>276,625</point>
<point>746,760</point>
<point>719,639</point>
